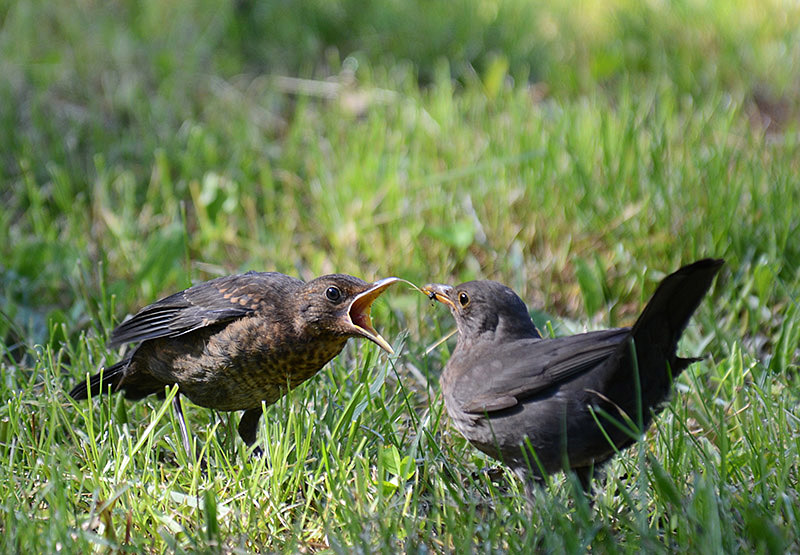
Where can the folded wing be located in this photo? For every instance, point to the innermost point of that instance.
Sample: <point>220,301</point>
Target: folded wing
<point>531,366</point>
<point>213,302</point>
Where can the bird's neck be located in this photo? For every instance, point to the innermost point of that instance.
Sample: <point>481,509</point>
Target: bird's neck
<point>517,329</point>
<point>497,329</point>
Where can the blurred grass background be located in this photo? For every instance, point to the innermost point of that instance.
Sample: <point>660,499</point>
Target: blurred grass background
<point>577,151</point>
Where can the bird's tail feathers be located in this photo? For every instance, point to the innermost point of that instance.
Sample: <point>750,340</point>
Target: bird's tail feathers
<point>100,382</point>
<point>673,303</point>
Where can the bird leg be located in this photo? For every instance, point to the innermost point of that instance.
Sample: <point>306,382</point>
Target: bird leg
<point>248,428</point>
<point>584,475</point>
<point>176,405</point>
<point>530,482</point>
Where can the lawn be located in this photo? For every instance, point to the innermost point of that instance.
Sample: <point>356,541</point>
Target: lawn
<point>576,151</point>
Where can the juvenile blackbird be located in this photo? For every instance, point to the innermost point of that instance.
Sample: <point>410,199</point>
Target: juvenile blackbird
<point>237,341</point>
<point>505,387</point>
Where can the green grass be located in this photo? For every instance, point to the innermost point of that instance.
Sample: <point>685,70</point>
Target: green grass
<point>576,153</point>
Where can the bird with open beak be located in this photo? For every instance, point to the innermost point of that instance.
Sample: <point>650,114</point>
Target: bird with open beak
<point>569,403</point>
<point>238,341</point>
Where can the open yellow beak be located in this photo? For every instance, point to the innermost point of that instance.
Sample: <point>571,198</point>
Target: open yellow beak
<point>360,307</point>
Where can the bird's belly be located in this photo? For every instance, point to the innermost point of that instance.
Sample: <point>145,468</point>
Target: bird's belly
<point>241,374</point>
<point>561,430</point>
<point>243,385</point>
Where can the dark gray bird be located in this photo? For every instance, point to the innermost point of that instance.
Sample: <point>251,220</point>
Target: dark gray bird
<point>505,386</point>
<point>237,341</point>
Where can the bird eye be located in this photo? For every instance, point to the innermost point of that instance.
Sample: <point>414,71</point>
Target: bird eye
<point>463,298</point>
<point>333,294</point>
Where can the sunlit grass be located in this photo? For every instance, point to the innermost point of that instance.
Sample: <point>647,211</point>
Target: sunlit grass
<point>138,159</point>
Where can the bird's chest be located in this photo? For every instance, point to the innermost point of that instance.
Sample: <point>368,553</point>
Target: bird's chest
<point>456,392</point>
<point>253,361</point>
<point>270,353</point>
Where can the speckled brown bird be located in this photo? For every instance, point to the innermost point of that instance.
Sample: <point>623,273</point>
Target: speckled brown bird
<point>237,341</point>
<point>505,387</point>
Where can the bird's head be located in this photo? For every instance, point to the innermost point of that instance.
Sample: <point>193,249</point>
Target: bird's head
<point>484,307</point>
<point>340,304</point>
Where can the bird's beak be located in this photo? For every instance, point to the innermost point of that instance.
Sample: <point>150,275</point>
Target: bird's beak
<point>359,312</point>
<point>439,292</point>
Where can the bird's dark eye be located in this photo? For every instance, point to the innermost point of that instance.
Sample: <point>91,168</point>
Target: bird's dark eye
<point>333,294</point>
<point>463,298</point>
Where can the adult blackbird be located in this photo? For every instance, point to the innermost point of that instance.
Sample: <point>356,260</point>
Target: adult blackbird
<point>237,341</point>
<point>508,390</point>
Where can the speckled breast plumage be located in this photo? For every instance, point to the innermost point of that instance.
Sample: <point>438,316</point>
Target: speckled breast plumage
<point>239,366</point>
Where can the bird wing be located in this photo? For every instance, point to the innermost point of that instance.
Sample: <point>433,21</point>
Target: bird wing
<point>527,367</point>
<point>212,302</point>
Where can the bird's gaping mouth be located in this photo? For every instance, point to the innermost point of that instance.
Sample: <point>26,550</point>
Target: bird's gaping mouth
<point>360,307</point>
<point>439,292</point>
